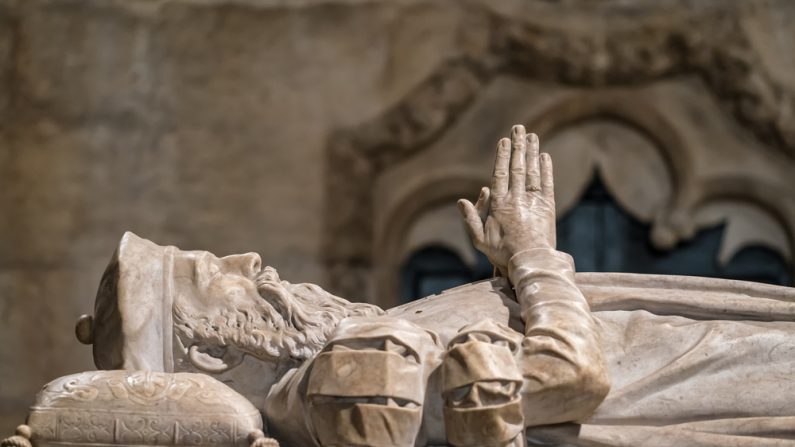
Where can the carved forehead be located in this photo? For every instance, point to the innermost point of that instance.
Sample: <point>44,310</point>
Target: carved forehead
<point>199,262</point>
<point>185,262</point>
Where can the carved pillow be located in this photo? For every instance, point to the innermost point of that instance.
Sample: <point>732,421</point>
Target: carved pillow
<point>142,408</point>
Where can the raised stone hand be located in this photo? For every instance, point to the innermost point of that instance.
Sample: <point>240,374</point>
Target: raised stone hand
<point>564,375</point>
<point>518,212</point>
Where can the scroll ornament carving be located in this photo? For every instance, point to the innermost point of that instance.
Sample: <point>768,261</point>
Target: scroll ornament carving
<point>144,388</point>
<point>711,46</point>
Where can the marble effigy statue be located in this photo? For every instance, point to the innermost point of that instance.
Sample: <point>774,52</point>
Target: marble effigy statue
<point>199,350</point>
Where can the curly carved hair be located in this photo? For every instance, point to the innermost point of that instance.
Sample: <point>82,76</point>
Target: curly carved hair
<point>291,320</point>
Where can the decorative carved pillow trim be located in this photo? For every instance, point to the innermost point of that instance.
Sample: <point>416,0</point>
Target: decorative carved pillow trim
<point>142,408</point>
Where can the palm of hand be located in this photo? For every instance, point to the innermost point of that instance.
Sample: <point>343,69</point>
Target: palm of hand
<point>518,212</point>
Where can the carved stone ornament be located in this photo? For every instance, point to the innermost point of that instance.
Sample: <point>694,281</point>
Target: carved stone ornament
<point>139,408</point>
<point>706,43</point>
<point>536,356</point>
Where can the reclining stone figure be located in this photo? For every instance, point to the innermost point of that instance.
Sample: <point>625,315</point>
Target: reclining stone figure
<point>523,358</point>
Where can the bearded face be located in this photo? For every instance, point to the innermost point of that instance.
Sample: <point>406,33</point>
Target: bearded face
<point>227,308</point>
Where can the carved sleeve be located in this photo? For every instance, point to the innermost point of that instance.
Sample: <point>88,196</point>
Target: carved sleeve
<point>565,376</point>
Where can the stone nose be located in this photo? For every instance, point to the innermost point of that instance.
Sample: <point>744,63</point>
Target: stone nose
<point>248,264</point>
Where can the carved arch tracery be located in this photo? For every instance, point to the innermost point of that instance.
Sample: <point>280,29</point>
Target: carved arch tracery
<point>709,46</point>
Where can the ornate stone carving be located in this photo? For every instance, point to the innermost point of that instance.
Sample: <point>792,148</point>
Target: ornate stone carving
<point>185,392</point>
<point>707,43</point>
<point>536,354</point>
<point>530,355</point>
<point>710,44</point>
<point>141,408</point>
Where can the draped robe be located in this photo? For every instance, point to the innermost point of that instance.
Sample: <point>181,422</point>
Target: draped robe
<point>692,361</point>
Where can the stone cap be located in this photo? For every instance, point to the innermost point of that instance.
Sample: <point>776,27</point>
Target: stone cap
<point>131,327</point>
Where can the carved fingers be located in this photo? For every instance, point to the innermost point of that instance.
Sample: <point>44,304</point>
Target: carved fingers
<point>502,163</point>
<point>548,194</point>
<point>475,215</point>
<point>518,160</point>
<point>533,166</point>
<point>517,213</point>
<point>519,166</point>
<point>547,183</point>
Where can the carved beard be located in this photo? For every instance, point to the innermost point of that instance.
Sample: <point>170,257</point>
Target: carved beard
<point>291,320</point>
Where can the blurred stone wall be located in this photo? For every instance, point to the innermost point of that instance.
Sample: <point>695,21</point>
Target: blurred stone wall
<point>201,124</point>
<point>206,124</point>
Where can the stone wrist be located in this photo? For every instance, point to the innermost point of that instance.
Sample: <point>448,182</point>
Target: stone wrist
<point>536,258</point>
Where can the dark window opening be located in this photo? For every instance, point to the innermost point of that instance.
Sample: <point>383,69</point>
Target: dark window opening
<point>433,269</point>
<point>602,237</point>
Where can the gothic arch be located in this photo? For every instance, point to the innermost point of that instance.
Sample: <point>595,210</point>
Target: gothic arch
<point>708,45</point>
<point>425,195</point>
